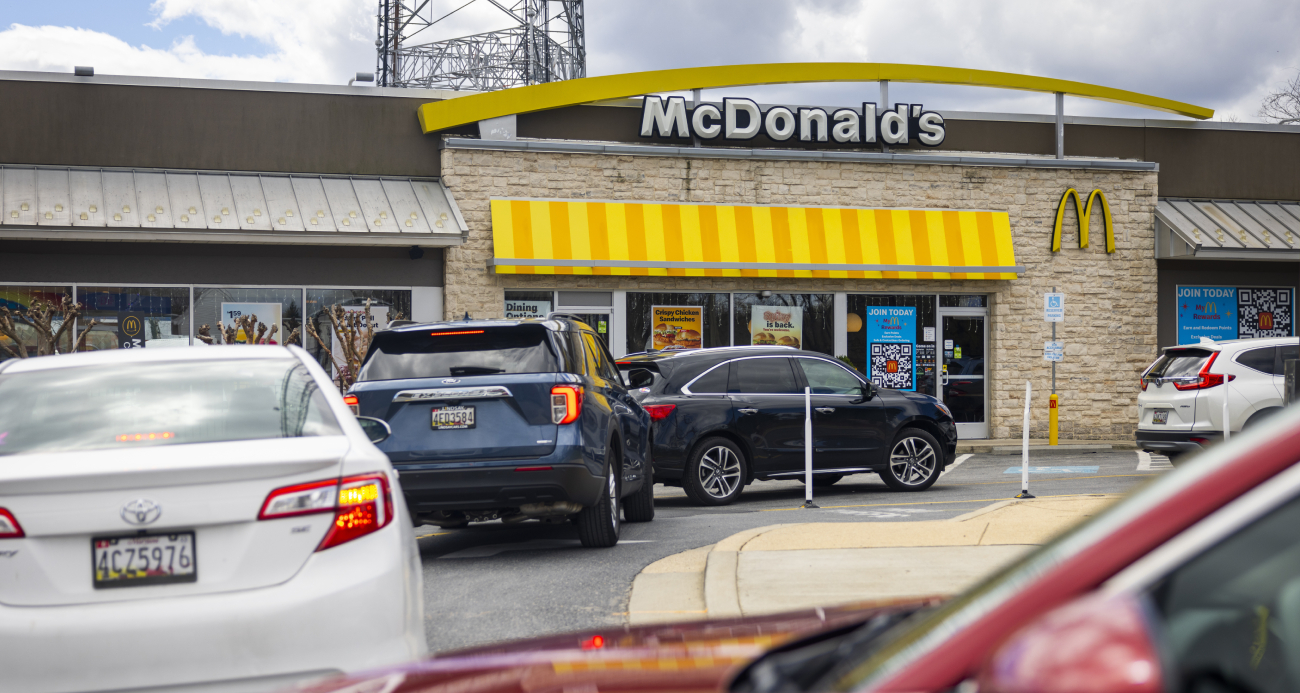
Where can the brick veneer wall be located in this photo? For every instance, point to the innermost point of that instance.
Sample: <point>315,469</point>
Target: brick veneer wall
<point>1110,332</point>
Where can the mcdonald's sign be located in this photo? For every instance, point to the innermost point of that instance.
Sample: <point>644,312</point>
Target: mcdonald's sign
<point>1084,213</point>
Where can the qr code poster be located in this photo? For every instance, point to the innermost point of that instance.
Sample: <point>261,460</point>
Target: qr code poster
<point>893,365</point>
<point>1264,312</point>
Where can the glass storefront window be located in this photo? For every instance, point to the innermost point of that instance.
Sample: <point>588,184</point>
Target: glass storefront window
<point>707,315</point>
<point>386,305</point>
<point>926,368</point>
<point>18,299</point>
<point>807,321</point>
<point>165,312</point>
<point>218,307</point>
<point>966,301</point>
<point>529,304</point>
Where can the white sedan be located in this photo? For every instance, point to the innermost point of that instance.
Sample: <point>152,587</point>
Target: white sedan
<point>182,517</point>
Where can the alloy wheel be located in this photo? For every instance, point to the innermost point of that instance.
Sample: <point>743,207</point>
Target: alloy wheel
<point>719,472</point>
<point>912,461</point>
<point>613,499</point>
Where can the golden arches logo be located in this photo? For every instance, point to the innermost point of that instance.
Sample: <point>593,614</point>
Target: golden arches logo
<point>131,326</point>
<point>1211,309</point>
<point>1084,213</point>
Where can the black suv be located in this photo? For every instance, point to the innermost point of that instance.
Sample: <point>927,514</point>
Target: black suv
<point>510,419</point>
<point>725,417</point>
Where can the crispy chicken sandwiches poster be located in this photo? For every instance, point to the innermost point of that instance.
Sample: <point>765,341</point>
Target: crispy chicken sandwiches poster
<point>676,327</point>
<point>776,326</point>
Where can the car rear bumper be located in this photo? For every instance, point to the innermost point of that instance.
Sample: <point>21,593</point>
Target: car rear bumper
<point>1176,441</point>
<point>352,607</point>
<point>499,484</point>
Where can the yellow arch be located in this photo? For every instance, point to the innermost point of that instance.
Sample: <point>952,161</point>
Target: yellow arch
<point>1085,213</point>
<point>471,108</point>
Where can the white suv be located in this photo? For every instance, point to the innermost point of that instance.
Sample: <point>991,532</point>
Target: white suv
<point>1180,408</point>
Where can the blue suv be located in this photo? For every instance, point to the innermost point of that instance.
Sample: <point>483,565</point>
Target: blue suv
<point>510,419</point>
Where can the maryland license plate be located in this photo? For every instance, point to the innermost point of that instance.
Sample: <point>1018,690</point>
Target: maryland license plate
<point>450,418</point>
<point>146,559</point>
<point>1160,416</point>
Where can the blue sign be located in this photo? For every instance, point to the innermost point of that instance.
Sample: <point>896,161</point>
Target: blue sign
<point>1206,311</point>
<point>891,347</point>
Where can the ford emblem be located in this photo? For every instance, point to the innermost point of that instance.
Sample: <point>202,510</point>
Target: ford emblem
<point>141,511</point>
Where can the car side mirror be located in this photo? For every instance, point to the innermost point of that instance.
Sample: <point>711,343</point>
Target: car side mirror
<point>639,377</point>
<point>869,392</point>
<point>1103,641</point>
<point>377,430</point>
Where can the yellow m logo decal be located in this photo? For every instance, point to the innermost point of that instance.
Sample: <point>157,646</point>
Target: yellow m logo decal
<point>1084,212</point>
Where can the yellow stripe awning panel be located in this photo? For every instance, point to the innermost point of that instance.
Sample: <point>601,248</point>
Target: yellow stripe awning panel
<point>685,240</point>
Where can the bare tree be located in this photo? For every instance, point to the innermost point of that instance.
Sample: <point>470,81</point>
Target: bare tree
<point>353,330</point>
<point>1283,105</point>
<point>40,319</point>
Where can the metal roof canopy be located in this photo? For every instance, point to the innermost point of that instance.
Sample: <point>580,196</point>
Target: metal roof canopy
<point>122,204</point>
<point>1227,229</point>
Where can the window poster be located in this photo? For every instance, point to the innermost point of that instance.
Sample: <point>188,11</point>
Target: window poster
<point>1232,312</point>
<point>776,326</point>
<point>676,327</point>
<point>267,313</point>
<point>891,347</point>
<point>522,310</point>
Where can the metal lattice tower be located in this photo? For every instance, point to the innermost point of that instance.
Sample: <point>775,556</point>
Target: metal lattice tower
<point>547,44</point>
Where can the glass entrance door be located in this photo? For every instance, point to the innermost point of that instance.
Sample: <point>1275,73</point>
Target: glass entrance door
<point>598,322</point>
<point>962,383</point>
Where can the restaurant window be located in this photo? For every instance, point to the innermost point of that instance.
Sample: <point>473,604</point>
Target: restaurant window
<point>659,321</point>
<point>925,326</point>
<point>964,301</point>
<point>802,321</point>
<point>18,299</point>
<point>280,310</point>
<point>386,305</point>
<point>529,304</point>
<point>163,314</point>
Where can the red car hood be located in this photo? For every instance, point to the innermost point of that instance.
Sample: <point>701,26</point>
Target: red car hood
<point>694,656</point>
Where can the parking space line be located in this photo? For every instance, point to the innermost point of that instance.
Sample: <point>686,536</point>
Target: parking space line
<point>951,502</point>
<point>956,463</point>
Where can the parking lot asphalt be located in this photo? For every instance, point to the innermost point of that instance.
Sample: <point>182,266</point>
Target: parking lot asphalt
<point>494,582</point>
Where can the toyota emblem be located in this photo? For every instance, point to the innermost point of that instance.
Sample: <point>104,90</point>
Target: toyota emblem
<point>141,511</point>
<point>450,381</point>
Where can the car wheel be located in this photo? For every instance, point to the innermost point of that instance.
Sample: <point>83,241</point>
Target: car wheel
<point>716,473</point>
<point>598,524</point>
<point>820,480</point>
<point>914,462</point>
<point>640,506</point>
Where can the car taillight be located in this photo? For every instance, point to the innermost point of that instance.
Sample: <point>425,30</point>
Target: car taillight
<point>1205,378</point>
<point>9,527</point>
<point>365,506</point>
<point>659,412</point>
<point>361,505</point>
<point>353,403</point>
<point>566,403</point>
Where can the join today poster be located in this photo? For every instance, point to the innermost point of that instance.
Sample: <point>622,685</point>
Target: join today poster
<point>1234,312</point>
<point>891,347</point>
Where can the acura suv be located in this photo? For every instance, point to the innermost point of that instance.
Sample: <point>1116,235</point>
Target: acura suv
<point>510,420</point>
<point>725,417</point>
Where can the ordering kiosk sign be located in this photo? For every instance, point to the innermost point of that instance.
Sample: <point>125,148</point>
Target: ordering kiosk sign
<point>1234,312</point>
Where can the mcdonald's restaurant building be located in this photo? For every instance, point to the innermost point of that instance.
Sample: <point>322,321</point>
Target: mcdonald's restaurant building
<point>917,242</point>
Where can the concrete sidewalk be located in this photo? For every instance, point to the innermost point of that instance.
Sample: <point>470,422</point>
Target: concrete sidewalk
<point>1012,446</point>
<point>792,566</point>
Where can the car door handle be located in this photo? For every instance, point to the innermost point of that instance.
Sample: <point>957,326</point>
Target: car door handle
<point>826,410</point>
<point>747,411</point>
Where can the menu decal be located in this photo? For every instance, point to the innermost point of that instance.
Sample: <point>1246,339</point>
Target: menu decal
<point>676,327</point>
<point>776,326</point>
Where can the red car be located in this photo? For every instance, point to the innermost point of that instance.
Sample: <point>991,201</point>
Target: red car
<point>1190,584</point>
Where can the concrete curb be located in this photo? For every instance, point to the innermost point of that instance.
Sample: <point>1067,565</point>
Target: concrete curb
<point>721,589</point>
<point>1040,450</point>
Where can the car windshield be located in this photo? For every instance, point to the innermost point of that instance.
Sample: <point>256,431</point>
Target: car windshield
<point>444,352</point>
<point>170,403</point>
<point>1179,363</point>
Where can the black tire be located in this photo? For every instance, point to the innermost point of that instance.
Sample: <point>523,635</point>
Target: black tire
<point>914,463</point>
<point>640,506</point>
<point>716,472</point>
<point>598,524</point>
<point>823,480</point>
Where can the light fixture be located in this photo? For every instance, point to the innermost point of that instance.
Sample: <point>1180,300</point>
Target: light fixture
<point>84,216</point>
<point>49,215</point>
<point>283,221</point>
<point>193,210</point>
<point>158,209</point>
<point>126,209</point>
<point>854,322</point>
<point>216,218</point>
<point>151,218</point>
<point>250,220</point>
<point>313,221</point>
<point>93,209</point>
<point>225,211</point>
<point>765,294</point>
<point>257,212</point>
<point>409,223</point>
<point>416,252</point>
<point>58,208</point>
<point>383,215</point>
<point>24,207</point>
<point>117,217</point>
<point>83,71</point>
<point>347,222</point>
<point>352,214</point>
<point>414,215</point>
<point>288,212</point>
<point>364,76</point>
<point>185,218</point>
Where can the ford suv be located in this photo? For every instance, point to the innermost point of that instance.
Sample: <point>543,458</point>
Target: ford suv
<point>510,420</point>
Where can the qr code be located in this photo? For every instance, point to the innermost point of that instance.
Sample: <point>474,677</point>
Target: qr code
<point>892,365</point>
<point>1263,313</point>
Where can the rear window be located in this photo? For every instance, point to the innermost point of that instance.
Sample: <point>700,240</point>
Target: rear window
<point>460,352</point>
<point>1179,363</point>
<point>112,407</point>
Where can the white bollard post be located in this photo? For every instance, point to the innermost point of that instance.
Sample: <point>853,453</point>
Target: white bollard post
<point>1024,451</point>
<point>807,449</point>
<point>1227,427</point>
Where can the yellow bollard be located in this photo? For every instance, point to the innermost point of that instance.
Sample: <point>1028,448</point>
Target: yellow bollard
<point>1051,421</point>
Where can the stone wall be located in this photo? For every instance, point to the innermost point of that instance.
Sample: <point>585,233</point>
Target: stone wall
<point>1110,328</point>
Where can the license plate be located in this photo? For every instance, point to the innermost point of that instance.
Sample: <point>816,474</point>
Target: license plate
<point>1160,416</point>
<point>144,559</point>
<point>450,418</point>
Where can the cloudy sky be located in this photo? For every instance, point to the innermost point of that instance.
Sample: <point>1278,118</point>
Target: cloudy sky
<point>1215,54</point>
